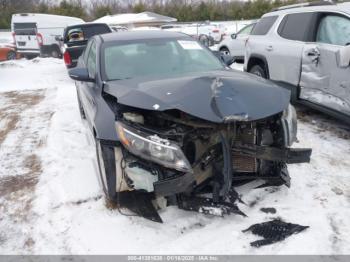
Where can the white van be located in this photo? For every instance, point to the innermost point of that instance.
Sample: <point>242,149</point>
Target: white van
<point>35,34</point>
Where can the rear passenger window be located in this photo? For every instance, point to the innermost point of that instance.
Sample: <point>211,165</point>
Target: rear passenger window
<point>334,30</point>
<point>264,25</point>
<point>296,26</point>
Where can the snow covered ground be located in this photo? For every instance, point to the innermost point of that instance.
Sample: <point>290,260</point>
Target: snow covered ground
<point>50,201</point>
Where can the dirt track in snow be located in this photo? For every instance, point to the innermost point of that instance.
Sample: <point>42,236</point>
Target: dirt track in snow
<point>20,166</point>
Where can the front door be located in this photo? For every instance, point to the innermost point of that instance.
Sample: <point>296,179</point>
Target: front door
<point>325,77</point>
<point>88,90</point>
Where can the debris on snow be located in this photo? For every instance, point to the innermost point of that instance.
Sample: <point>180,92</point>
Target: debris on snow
<point>268,210</point>
<point>273,231</point>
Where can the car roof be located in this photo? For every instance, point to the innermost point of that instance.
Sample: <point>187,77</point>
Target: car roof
<point>142,35</point>
<point>341,7</point>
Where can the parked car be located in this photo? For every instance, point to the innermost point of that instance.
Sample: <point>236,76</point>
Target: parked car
<point>175,125</point>
<point>306,48</point>
<point>235,45</point>
<point>75,38</point>
<point>35,34</point>
<point>207,33</point>
<point>7,50</point>
<point>119,28</point>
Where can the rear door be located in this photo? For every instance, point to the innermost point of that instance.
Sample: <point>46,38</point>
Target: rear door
<point>25,35</point>
<point>237,45</point>
<point>325,78</point>
<point>284,53</point>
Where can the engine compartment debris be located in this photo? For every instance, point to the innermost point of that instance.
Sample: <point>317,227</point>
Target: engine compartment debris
<point>273,231</point>
<point>196,164</point>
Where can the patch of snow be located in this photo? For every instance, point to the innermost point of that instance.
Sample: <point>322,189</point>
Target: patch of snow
<point>38,73</point>
<point>155,106</point>
<point>71,216</point>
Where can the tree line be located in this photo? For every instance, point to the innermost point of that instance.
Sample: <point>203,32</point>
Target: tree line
<point>183,10</point>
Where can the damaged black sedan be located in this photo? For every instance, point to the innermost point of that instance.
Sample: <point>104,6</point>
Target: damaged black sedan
<point>174,125</point>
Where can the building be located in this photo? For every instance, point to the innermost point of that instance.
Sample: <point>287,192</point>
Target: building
<point>130,20</point>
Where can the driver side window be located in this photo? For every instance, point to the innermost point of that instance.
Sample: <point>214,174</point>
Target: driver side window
<point>334,30</point>
<point>91,60</point>
<point>246,30</point>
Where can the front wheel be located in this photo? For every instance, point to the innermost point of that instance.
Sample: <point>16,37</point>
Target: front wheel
<point>259,71</point>
<point>55,52</point>
<point>204,40</point>
<point>11,55</point>
<point>107,169</point>
<point>225,51</point>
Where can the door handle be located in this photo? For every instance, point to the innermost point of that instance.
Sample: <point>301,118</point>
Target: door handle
<point>269,48</point>
<point>313,53</point>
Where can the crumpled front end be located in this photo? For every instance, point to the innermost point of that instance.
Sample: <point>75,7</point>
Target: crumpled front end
<point>174,158</point>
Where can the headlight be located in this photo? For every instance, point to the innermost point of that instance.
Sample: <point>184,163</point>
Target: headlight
<point>289,122</point>
<point>153,148</point>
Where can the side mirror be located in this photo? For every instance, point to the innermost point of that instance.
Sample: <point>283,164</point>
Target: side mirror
<point>227,59</point>
<point>234,36</point>
<point>80,74</point>
<point>59,38</point>
<point>343,57</point>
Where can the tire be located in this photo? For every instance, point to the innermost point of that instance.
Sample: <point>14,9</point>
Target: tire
<point>11,55</point>
<point>81,109</point>
<point>29,57</point>
<point>55,52</point>
<point>259,71</point>
<point>294,95</point>
<point>106,169</point>
<point>204,40</point>
<point>225,51</point>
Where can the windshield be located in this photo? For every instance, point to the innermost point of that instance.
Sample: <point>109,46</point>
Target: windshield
<point>25,28</point>
<point>156,58</point>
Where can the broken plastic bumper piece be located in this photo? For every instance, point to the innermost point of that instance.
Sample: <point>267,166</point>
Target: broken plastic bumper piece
<point>208,206</point>
<point>273,231</point>
<point>175,185</point>
<point>287,155</point>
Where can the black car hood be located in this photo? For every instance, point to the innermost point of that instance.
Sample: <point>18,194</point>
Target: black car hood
<point>217,96</point>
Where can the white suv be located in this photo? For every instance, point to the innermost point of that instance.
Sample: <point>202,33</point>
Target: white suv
<point>306,48</point>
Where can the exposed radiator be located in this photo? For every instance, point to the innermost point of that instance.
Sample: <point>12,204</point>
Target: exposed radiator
<point>244,164</point>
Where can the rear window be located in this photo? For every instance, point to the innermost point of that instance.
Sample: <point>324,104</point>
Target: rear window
<point>296,26</point>
<point>83,33</point>
<point>264,25</point>
<point>24,28</point>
